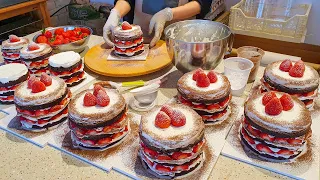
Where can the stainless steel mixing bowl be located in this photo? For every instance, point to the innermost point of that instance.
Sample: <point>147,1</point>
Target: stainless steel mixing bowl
<point>197,43</point>
<point>77,46</point>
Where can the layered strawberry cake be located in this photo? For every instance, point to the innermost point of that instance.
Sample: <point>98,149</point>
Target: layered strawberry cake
<point>68,66</point>
<point>128,40</point>
<point>42,103</point>
<point>11,48</point>
<point>294,78</point>
<point>172,141</point>
<point>97,119</point>
<point>35,56</point>
<point>208,93</point>
<point>11,75</point>
<point>276,126</point>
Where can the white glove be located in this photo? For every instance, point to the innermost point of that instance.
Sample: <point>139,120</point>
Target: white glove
<point>158,22</point>
<point>112,22</point>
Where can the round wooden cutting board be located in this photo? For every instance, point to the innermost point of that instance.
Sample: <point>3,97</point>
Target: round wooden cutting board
<point>96,61</point>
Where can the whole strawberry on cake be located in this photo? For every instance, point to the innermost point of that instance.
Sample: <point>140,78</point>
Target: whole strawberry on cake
<point>172,141</point>
<point>42,103</point>
<point>128,40</point>
<point>11,48</point>
<point>208,93</point>
<point>294,78</point>
<point>97,119</point>
<point>68,66</point>
<point>276,126</point>
<point>11,76</point>
<point>35,57</point>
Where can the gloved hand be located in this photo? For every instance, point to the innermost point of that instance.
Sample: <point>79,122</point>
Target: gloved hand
<point>112,22</point>
<point>157,23</point>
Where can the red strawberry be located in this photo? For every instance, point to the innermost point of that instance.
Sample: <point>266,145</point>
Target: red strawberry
<point>294,141</point>
<point>177,118</point>
<point>212,76</point>
<point>247,137</point>
<point>196,147</point>
<point>48,34</point>
<point>253,131</point>
<point>91,132</point>
<point>46,79</point>
<point>102,98</point>
<point>55,108</point>
<point>104,141</point>
<point>89,99</point>
<point>280,140</point>
<point>30,81</point>
<point>148,161</point>
<point>196,73</point>
<point>33,46</point>
<point>180,155</point>
<point>126,26</point>
<point>41,112</point>
<point>38,86</point>
<point>266,137</point>
<point>162,168</point>
<point>90,142</point>
<point>213,106</point>
<point>297,70</point>
<point>97,88</point>
<point>162,120</point>
<point>163,157</point>
<point>263,148</point>
<point>285,152</point>
<point>199,106</point>
<point>117,135</point>
<point>286,102</point>
<point>181,168</point>
<point>285,65</point>
<point>202,80</point>
<point>14,38</point>
<point>150,152</point>
<point>40,121</point>
<point>273,107</point>
<point>267,97</point>
<point>167,109</point>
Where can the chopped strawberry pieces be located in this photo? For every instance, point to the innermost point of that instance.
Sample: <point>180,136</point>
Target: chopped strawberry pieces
<point>104,141</point>
<point>297,70</point>
<point>177,118</point>
<point>266,137</point>
<point>253,131</point>
<point>267,97</point>
<point>263,148</point>
<point>294,141</point>
<point>285,65</point>
<point>164,157</point>
<point>181,168</point>
<point>212,77</point>
<point>180,155</point>
<point>90,142</point>
<point>150,152</point>
<point>273,107</point>
<point>213,106</point>
<point>89,99</point>
<point>38,86</point>
<point>286,102</point>
<point>162,168</point>
<point>285,152</point>
<point>247,137</point>
<point>162,120</point>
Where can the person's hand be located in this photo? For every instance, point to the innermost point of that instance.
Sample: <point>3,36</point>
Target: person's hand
<point>112,22</point>
<point>157,23</point>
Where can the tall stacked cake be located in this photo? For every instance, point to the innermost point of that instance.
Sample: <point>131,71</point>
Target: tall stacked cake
<point>42,103</point>
<point>276,126</point>
<point>35,56</point>
<point>11,75</point>
<point>11,48</point>
<point>172,141</point>
<point>68,66</point>
<point>97,119</point>
<point>294,78</point>
<point>128,40</point>
<point>208,93</point>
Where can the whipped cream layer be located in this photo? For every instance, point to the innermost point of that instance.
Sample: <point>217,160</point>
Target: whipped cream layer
<point>135,31</point>
<point>12,72</point>
<point>43,50</point>
<point>25,97</point>
<point>310,77</point>
<point>295,120</point>
<point>64,59</point>
<point>15,45</point>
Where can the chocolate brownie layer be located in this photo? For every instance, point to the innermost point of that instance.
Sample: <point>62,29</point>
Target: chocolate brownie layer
<point>203,101</point>
<point>61,69</point>
<point>9,93</point>
<point>18,81</point>
<point>277,133</point>
<point>289,90</point>
<point>40,58</point>
<point>246,145</point>
<point>75,83</point>
<point>103,124</point>
<point>101,148</point>
<point>44,106</point>
<point>168,151</point>
<point>6,102</point>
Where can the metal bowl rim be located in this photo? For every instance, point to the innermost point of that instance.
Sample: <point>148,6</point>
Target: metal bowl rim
<point>207,42</point>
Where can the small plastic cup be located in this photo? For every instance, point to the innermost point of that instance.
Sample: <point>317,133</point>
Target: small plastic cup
<point>237,70</point>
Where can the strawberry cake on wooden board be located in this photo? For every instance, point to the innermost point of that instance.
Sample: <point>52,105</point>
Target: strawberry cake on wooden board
<point>128,40</point>
<point>11,48</point>
<point>276,126</point>
<point>42,103</point>
<point>294,78</point>
<point>97,119</point>
<point>11,76</point>
<point>35,56</point>
<point>208,93</point>
<point>171,141</point>
<point>68,66</point>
